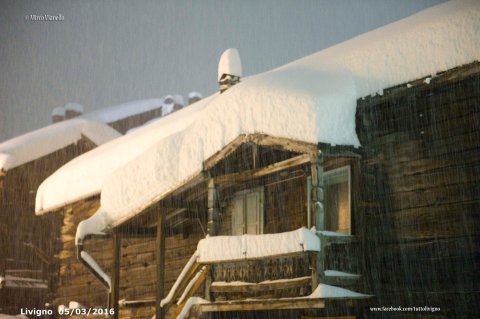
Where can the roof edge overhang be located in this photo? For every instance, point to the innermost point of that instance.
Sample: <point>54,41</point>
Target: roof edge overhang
<point>65,204</point>
<point>260,139</point>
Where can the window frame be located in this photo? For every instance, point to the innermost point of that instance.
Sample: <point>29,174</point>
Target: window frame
<point>243,194</point>
<point>334,171</point>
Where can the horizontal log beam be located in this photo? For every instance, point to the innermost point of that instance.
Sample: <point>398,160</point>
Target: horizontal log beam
<point>283,144</point>
<point>263,286</point>
<point>240,260</point>
<point>270,169</point>
<point>137,303</point>
<point>269,304</point>
<point>227,150</point>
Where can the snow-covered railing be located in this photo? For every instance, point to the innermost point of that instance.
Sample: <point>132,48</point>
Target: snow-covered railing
<point>231,248</point>
<point>187,272</point>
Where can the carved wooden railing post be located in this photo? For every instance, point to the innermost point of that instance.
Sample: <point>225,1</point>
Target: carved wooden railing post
<point>316,195</point>
<point>314,265</point>
<point>212,225</point>
<point>318,209</point>
<point>208,283</point>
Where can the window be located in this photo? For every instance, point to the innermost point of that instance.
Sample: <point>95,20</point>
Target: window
<point>337,200</point>
<point>247,212</point>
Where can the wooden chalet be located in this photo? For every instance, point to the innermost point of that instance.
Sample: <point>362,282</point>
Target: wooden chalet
<point>395,219</point>
<point>405,203</point>
<point>260,185</point>
<point>129,115</point>
<point>73,282</point>
<point>27,251</point>
<point>29,245</point>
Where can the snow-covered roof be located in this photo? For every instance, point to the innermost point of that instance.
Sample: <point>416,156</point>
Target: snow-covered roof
<point>41,142</point>
<point>312,100</point>
<point>118,112</point>
<point>84,176</point>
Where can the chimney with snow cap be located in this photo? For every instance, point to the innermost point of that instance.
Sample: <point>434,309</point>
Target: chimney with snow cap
<point>229,69</point>
<point>171,103</point>
<point>194,97</point>
<point>179,103</point>
<point>73,110</point>
<point>58,114</point>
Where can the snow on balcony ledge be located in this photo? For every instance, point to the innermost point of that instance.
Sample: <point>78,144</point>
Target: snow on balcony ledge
<point>231,248</point>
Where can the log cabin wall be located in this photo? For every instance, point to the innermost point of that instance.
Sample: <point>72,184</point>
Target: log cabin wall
<point>420,194</point>
<point>138,267</point>
<point>22,227</point>
<point>127,123</point>
<point>284,208</point>
<point>137,264</point>
<point>74,282</point>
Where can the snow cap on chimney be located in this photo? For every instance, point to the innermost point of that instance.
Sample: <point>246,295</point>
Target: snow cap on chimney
<point>229,69</point>
<point>194,96</point>
<point>58,114</point>
<point>73,110</point>
<point>172,103</point>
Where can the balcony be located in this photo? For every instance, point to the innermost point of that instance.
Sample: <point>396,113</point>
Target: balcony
<point>258,272</point>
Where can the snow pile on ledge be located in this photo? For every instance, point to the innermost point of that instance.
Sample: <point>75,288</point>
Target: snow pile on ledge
<point>118,112</point>
<point>41,142</point>
<point>223,248</point>
<point>327,291</point>
<point>336,273</point>
<point>84,176</point>
<point>94,225</point>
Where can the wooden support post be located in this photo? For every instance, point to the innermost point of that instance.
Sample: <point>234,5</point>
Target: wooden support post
<point>313,265</point>
<point>115,288</point>
<point>212,224</point>
<point>309,202</point>
<point>160,247</point>
<point>316,195</point>
<point>321,256</point>
<point>254,156</point>
<point>208,283</point>
<point>318,213</point>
